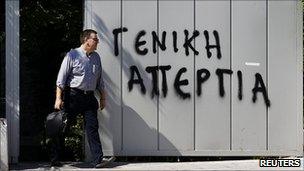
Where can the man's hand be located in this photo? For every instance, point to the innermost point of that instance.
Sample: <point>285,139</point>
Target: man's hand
<point>58,104</point>
<point>102,104</point>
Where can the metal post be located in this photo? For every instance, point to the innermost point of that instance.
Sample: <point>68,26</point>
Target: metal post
<point>12,77</point>
<point>3,145</point>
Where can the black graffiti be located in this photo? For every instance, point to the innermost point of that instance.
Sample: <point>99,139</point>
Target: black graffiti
<point>140,43</point>
<point>178,83</point>
<point>161,44</point>
<point>217,46</point>
<point>139,80</point>
<point>188,41</point>
<point>202,76</point>
<point>153,71</point>
<point>174,35</point>
<point>200,80</point>
<point>163,70</point>
<point>240,80</point>
<point>116,32</point>
<point>261,88</point>
<point>187,44</point>
<point>220,73</point>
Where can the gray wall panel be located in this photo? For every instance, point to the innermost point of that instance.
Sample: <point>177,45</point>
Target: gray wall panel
<point>248,46</point>
<point>283,75</point>
<point>139,110</point>
<point>212,117</point>
<point>176,120</point>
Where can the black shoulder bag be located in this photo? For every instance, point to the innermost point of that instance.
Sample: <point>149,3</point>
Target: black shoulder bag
<point>55,123</point>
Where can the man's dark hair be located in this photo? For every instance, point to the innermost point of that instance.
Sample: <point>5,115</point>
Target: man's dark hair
<point>86,34</point>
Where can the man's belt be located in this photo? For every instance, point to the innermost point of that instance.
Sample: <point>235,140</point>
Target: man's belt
<point>82,91</point>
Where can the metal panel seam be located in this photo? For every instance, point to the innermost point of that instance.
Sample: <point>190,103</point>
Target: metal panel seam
<point>299,57</point>
<point>157,18</point>
<point>267,74</point>
<point>231,76</point>
<point>194,85</point>
<point>121,80</point>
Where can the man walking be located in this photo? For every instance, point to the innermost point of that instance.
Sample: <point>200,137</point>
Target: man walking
<point>80,75</point>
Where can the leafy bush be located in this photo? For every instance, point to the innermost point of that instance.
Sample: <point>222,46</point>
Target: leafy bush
<point>48,29</point>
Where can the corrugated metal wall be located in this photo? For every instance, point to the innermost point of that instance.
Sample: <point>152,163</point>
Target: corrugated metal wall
<point>263,37</point>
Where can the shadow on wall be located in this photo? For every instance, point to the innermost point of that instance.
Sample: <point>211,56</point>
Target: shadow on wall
<point>127,58</point>
<point>114,125</point>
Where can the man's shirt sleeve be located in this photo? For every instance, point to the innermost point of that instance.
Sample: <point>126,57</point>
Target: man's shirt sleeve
<point>64,72</point>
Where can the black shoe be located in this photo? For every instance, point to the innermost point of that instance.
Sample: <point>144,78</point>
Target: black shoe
<point>56,164</point>
<point>104,162</point>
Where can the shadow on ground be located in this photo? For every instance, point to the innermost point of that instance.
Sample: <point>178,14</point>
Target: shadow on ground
<point>84,165</point>
<point>66,165</point>
<point>25,166</point>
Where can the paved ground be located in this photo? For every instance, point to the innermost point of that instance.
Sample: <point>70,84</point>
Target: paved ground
<point>202,165</point>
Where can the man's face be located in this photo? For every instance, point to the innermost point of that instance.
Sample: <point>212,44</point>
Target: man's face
<point>92,42</point>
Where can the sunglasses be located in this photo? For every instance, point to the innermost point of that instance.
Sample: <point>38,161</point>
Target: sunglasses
<point>95,39</point>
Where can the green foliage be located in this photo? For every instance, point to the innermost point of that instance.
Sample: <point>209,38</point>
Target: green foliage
<point>48,29</point>
<point>2,37</point>
<point>75,141</point>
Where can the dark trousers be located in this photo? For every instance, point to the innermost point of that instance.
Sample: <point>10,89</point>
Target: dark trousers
<point>78,102</point>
